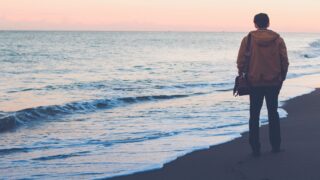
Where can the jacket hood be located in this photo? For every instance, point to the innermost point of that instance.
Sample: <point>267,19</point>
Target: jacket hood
<point>264,37</point>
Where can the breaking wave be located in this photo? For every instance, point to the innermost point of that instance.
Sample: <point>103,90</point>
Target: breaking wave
<point>11,120</point>
<point>313,50</point>
<point>315,44</point>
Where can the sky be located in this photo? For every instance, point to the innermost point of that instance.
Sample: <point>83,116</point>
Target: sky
<point>158,15</point>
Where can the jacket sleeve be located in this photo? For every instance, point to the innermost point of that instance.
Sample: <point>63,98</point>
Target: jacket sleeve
<point>284,59</point>
<point>241,56</point>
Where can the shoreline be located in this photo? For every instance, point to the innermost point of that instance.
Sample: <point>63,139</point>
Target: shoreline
<point>232,160</point>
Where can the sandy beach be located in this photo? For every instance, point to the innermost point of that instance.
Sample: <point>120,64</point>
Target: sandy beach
<point>298,160</point>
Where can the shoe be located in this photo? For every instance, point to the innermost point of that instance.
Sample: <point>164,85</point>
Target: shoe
<point>256,153</point>
<point>275,150</point>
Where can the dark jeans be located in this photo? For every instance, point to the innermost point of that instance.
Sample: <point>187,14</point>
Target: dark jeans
<point>270,93</point>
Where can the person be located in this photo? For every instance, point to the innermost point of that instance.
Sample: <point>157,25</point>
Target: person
<point>267,69</point>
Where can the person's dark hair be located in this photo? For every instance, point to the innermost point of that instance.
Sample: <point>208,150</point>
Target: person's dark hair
<point>261,20</point>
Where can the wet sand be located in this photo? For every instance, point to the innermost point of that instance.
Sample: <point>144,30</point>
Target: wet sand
<point>299,159</point>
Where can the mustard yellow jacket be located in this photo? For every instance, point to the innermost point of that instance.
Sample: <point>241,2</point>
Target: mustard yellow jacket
<point>268,58</point>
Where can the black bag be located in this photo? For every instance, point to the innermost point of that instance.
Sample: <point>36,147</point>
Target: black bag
<point>242,85</point>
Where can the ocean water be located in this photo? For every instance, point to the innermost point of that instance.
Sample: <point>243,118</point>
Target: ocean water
<point>86,105</point>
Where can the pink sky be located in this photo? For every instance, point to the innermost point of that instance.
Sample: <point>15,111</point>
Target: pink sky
<point>168,15</point>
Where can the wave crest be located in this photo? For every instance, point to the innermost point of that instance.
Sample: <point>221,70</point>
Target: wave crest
<point>14,119</point>
<point>315,44</point>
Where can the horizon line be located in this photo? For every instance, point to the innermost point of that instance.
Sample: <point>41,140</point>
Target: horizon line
<point>181,31</point>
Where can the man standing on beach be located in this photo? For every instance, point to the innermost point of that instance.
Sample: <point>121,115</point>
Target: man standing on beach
<point>267,70</point>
